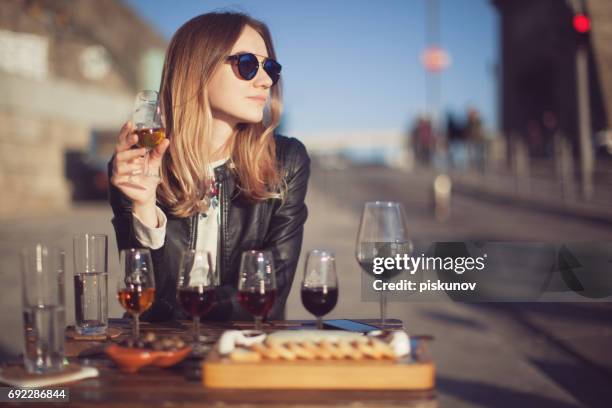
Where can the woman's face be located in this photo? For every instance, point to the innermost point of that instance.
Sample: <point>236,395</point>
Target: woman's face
<point>234,99</point>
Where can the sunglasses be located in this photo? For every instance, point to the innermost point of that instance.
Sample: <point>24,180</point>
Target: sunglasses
<point>248,65</point>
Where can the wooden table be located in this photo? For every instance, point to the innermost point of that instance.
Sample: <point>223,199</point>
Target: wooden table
<point>181,385</point>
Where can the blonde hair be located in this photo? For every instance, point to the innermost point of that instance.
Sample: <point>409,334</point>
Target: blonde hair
<point>194,53</point>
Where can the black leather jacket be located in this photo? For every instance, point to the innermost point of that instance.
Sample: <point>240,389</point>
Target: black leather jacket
<point>243,225</point>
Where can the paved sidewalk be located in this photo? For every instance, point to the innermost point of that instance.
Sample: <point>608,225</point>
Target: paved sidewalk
<point>543,194</point>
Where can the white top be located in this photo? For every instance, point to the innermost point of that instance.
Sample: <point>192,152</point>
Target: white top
<point>208,230</point>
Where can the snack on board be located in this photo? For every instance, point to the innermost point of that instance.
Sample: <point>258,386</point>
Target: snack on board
<point>372,349</point>
<point>311,345</point>
<point>245,356</point>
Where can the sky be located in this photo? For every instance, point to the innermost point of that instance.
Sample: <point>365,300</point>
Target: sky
<point>355,65</point>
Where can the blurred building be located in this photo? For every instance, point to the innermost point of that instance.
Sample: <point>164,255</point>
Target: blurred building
<point>69,71</point>
<point>538,89</point>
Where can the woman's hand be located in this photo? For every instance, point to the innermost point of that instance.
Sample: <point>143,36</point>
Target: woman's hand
<point>128,167</point>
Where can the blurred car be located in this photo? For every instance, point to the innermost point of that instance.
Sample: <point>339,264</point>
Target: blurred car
<point>86,170</point>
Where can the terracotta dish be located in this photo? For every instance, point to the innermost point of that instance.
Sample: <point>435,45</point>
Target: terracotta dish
<point>130,360</point>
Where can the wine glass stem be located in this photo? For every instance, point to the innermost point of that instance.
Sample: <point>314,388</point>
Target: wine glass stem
<point>196,329</point>
<point>319,323</point>
<point>136,326</point>
<point>257,322</point>
<point>383,307</point>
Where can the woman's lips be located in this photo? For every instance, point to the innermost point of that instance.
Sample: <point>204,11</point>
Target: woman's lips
<point>260,99</point>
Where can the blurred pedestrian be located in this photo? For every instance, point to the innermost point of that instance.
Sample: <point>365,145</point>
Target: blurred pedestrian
<point>475,139</point>
<point>423,139</point>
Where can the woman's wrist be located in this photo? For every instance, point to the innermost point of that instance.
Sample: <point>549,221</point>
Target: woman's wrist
<point>146,213</point>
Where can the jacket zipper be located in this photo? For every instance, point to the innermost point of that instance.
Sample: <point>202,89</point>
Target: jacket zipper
<point>220,238</point>
<point>194,231</point>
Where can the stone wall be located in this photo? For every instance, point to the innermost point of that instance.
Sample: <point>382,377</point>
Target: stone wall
<point>66,69</point>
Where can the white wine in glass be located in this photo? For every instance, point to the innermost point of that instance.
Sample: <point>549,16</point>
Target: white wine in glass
<point>136,286</point>
<point>382,233</point>
<point>148,124</point>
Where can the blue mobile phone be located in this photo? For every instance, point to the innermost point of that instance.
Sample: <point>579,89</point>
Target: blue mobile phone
<point>349,325</point>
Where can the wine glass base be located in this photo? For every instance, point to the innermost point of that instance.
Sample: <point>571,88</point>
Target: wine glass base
<point>199,350</point>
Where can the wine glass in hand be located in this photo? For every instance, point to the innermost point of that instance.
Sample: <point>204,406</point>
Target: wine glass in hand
<point>136,287</point>
<point>382,234</point>
<point>148,126</point>
<point>196,288</point>
<point>320,284</point>
<point>257,284</point>
<point>129,162</point>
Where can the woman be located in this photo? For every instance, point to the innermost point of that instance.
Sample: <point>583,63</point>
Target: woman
<point>226,182</point>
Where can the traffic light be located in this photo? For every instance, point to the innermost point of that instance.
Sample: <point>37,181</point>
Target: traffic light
<point>582,27</point>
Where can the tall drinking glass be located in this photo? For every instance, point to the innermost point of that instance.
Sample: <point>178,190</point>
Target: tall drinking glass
<point>257,284</point>
<point>382,233</point>
<point>44,317</point>
<point>196,287</point>
<point>91,283</point>
<point>320,285</point>
<point>136,285</point>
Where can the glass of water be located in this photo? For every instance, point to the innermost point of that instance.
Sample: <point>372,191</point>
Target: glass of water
<point>44,316</point>
<point>91,283</point>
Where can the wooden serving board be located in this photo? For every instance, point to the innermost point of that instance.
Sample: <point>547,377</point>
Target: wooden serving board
<point>405,374</point>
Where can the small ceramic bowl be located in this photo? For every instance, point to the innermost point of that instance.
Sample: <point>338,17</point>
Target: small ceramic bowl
<point>170,358</point>
<point>130,360</point>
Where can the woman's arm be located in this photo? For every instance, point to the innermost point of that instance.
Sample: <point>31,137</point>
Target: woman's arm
<point>122,214</point>
<point>123,195</point>
<point>148,236</point>
<point>132,230</point>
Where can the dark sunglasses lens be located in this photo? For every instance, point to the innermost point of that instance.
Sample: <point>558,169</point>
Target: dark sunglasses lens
<point>247,66</point>
<point>273,69</point>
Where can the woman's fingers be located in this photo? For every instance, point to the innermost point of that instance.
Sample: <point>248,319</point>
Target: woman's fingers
<point>130,154</point>
<point>159,150</point>
<point>126,138</point>
<point>155,155</point>
<point>123,169</point>
<point>135,184</point>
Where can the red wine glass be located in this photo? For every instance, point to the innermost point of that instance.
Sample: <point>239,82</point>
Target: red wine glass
<point>196,287</point>
<point>320,285</point>
<point>257,284</point>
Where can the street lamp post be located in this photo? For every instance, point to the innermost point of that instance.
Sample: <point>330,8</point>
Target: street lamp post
<point>582,27</point>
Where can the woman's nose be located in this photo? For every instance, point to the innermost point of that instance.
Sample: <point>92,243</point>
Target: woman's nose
<point>262,79</point>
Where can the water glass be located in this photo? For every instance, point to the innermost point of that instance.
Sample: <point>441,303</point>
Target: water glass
<point>44,317</point>
<point>91,283</point>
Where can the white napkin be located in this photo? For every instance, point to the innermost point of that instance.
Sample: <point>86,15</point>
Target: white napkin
<point>18,377</point>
